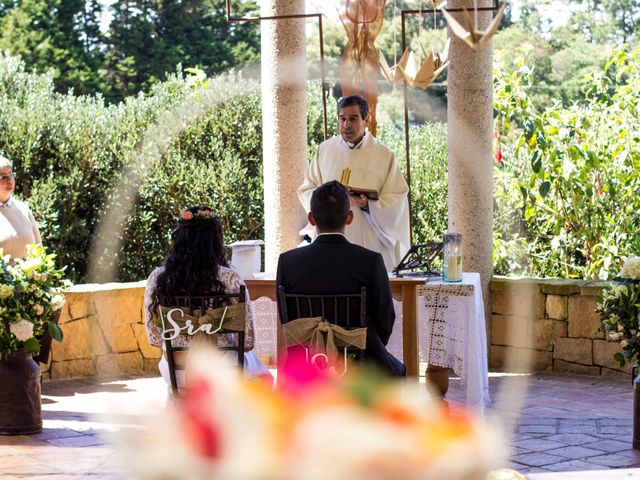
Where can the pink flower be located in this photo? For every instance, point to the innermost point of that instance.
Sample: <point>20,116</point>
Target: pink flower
<point>207,213</point>
<point>202,432</point>
<point>187,215</point>
<point>499,160</point>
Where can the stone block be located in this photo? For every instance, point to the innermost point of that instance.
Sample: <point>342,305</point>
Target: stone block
<point>624,374</point>
<point>557,307</point>
<point>499,283</point>
<point>523,302</point>
<point>150,365</point>
<point>120,338</point>
<point>603,354</point>
<point>509,283</point>
<point>73,369</point>
<point>80,305</point>
<point>576,350</point>
<point>560,286</point>
<point>568,367</point>
<point>148,350</point>
<point>117,363</point>
<point>118,306</point>
<point>545,331</point>
<point>501,358</point>
<point>82,339</point>
<point>533,361</point>
<point>584,322</point>
<point>593,287</point>
<point>65,314</point>
<point>509,330</point>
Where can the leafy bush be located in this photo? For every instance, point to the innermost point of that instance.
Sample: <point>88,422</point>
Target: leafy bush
<point>576,170</point>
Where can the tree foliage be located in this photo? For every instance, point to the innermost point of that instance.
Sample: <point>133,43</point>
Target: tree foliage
<point>145,40</point>
<point>576,170</point>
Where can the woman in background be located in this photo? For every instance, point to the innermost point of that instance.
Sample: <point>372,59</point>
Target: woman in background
<point>197,265</point>
<point>17,226</point>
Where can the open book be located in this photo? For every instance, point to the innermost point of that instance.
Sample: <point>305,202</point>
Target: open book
<point>370,193</point>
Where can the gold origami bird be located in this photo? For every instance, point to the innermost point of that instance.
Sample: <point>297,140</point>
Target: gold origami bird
<point>410,70</point>
<point>476,39</point>
<point>393,74</point>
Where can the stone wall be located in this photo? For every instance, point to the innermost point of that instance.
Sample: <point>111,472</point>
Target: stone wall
<point>537,325</point>
<point>103,333</point>
<point>549,325</point>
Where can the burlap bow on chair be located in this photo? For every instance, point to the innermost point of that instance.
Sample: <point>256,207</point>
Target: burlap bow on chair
<point>322,336</point>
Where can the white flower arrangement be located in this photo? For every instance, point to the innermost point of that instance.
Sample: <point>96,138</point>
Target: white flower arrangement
<point>631,268</point>
<point>22,329</point>
<point>30,292</point>
<point>619,309</point>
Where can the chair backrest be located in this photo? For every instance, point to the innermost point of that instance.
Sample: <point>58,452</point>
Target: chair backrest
<point>204,317</point>
<point>346,310</point>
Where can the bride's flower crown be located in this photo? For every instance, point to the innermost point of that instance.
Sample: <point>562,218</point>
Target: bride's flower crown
<point>201,217</point>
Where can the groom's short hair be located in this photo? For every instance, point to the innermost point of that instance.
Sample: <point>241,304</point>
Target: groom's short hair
<point>330,205</point>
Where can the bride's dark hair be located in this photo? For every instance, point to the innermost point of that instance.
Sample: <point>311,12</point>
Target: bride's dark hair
<point>194,258</point>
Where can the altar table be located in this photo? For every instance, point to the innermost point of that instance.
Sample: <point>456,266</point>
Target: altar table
<point>451,332</point>
<point>402,289</point>
<point>456,334</point>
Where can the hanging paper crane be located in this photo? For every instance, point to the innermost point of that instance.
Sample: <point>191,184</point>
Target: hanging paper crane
<point>416,74</point>
<point>468,30</point>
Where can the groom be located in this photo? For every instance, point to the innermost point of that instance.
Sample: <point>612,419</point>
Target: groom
<point>332,265</point>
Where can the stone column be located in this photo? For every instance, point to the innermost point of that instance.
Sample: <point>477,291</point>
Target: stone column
<point>470,136</point>
<point>284,119</point>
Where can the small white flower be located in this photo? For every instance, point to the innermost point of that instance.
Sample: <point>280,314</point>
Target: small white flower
<point>22,329</point>
<point>6,291</point>
<point>39,309</point>
<point>620,328</point>
<point>57,302</point>
<point>631,268</point>
<point>620,290</point>
<point>614,336</point>
<point>624,343</point>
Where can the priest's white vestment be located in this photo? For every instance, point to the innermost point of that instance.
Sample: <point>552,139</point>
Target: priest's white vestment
<point>385,227</point>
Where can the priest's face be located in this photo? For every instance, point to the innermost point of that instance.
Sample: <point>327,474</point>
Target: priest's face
<point>351,123</point>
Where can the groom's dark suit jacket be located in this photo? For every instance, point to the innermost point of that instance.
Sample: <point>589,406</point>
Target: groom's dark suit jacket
<point>332,265</point>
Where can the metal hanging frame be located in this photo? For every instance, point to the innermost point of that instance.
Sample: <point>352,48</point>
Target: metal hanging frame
<point>404,13</point>
<point>231,19</point>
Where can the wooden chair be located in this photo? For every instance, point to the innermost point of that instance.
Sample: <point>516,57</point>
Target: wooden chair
<point>348,311</point>
<point>210,315</point>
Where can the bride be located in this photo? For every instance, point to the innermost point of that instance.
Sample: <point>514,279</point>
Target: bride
<point>196,265</point>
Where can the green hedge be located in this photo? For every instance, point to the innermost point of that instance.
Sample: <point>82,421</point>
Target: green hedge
<point>70,154</point>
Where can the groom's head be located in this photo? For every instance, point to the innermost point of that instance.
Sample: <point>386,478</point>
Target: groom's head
<point>330,209</point>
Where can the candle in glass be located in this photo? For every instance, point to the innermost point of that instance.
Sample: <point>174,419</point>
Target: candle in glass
<point>452,257</point>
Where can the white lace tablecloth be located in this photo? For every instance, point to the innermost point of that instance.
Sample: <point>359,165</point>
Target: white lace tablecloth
<point>451,330</point>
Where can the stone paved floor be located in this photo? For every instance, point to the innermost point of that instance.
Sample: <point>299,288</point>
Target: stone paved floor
<point>570,427</point>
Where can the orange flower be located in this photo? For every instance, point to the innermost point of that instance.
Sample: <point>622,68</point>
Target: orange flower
<point>187,215</point>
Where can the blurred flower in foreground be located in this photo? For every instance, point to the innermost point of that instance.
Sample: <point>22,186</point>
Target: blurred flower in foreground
<point>354,427</point>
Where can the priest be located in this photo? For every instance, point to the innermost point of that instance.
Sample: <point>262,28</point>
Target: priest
<point>377,189</point>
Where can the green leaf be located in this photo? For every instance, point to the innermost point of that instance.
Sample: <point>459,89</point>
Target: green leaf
<point>536,161</point>
<point>32,345</point>
<point>55,332</point>
<point>544,188</point>
<point>619,357</point>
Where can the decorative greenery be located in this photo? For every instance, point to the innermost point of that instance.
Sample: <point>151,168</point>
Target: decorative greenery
<point>30,292</point>
<point>575,168</point>
<point>619,309</point>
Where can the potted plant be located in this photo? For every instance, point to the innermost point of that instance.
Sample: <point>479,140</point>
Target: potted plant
<point>619,309</point>
<point>31,292</point>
